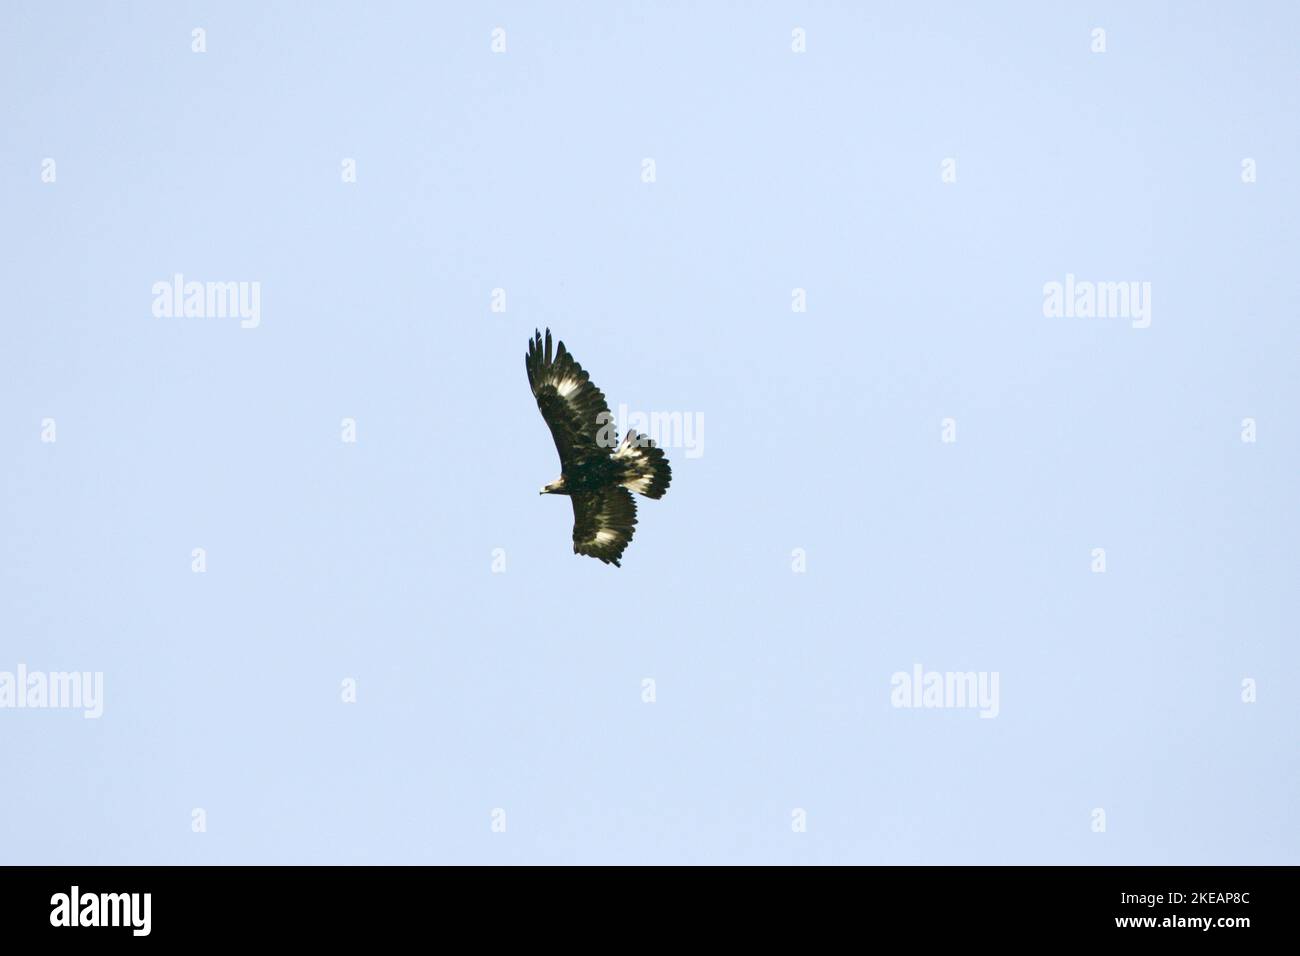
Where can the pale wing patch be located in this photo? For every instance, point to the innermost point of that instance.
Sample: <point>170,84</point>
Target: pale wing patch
<point>631,446</point>
<point>567,386</point>
<point>605,536</point>
<point>640,484</point>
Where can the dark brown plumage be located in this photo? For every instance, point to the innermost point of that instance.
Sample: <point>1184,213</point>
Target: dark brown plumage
<point>597,472</point>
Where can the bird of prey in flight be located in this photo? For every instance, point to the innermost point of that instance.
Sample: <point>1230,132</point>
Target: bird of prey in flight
<point>597,472</point>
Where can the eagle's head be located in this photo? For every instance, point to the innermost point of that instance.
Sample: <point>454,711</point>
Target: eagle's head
<point>554,488</point>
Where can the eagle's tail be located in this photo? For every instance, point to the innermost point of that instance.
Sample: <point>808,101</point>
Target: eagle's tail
<point>645,469</point>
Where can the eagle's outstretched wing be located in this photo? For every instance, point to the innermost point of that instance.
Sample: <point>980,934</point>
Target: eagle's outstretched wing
<point>574,408</point>
<point>603,523</point>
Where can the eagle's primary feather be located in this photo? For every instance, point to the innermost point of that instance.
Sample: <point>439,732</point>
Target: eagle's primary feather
<point>599,477</point>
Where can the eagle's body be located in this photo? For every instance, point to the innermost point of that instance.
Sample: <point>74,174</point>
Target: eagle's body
<point>596,472</point>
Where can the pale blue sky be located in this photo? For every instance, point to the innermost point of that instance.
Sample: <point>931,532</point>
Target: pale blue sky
<point>522,690</point>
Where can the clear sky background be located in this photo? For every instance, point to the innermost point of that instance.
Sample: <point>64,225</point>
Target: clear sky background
<point>522,690</point>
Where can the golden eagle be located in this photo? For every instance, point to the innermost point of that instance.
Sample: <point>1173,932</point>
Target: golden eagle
<point>596,472</point>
